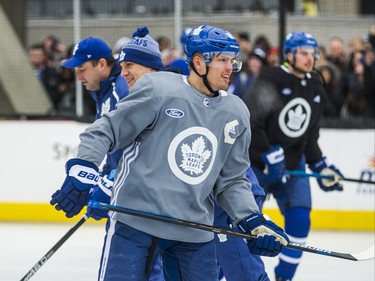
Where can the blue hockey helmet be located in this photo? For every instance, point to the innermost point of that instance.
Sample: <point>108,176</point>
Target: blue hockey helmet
<point>209,41</point>
<point>295,40</point>
<point>184,35</point>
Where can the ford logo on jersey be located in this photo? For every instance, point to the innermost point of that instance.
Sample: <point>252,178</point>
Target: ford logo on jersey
<point>175,113</point>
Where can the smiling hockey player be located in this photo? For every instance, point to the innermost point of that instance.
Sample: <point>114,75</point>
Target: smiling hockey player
<point>185,142</point>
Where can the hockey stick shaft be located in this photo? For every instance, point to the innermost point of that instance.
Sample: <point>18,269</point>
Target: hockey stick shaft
<point>55,247</point>
<point>320,176</point>
<point>218,230</point>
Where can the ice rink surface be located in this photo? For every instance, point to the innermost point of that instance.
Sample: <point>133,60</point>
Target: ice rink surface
<point>22,245</point>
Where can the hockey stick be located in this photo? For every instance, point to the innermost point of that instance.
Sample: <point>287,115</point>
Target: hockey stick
<point>365,255</point>
<point>49,254</point>
<point>321,176</point>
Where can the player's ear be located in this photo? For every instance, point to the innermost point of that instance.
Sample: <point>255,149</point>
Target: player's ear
<point>289,57</point>
<point>102,62</point>
<point>198,61</point>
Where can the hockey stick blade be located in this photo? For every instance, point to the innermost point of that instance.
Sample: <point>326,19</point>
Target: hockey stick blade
<point>55,247</point>
<point>366,255</point>
<point>321,176</point>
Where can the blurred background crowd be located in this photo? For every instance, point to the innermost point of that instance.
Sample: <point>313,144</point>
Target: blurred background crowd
<point>347,70</point>
<point>346,63</point>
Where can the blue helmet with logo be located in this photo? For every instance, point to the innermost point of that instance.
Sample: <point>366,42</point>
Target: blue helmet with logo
<point>209,40</point>
<point>295,40</point>
<point>184,35</point>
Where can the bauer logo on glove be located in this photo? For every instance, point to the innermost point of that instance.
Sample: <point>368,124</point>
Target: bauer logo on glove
<point>84,174</point>
<point>74,193</point>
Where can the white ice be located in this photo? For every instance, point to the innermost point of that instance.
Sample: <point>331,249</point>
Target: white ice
<point>22,245</point>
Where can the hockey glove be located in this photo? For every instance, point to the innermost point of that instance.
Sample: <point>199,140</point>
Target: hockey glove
<point>73,195</point>
<point>102,193</point>
<point>275,164</point>
<point>270,238</point>
<point>325,167</point>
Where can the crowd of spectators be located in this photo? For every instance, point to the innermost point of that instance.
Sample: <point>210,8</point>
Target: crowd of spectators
<point>347,71</point>
<point>45,58</point>
<point>349,77</point>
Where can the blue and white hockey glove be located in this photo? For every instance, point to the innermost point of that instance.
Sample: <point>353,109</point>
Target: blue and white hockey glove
<point>270,238</point>
<point>73,195</point>
<point>102,193</point>
<point>325,167</point>
<point>275,164</point>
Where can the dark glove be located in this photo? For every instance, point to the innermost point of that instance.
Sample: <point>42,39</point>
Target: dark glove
<point>325,167</point>
<point>270,238</point>
<point>73,195</point>
<point>102,193</point>
<point>275,164</point>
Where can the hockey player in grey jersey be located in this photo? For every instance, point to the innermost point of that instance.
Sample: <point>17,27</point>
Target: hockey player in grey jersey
<point>185,145</point>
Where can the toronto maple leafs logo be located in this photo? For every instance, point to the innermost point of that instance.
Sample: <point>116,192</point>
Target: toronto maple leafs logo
<point>197,30</point>
<point>122,56</point>
<point>192,153</point>
<point>194,157</point>
<point>106,106</point>
<point>294,118</point>
<point>75,49</point>
<point>222,238</point>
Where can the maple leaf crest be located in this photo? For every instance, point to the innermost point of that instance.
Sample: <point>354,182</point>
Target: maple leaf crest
<point>75,49</point>
<point>106,106</point>
<point>222,237</point>
<point>296,118</point>
<point>195,156</point>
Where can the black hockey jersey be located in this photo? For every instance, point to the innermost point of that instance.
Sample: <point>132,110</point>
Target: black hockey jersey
<point>285,110</point>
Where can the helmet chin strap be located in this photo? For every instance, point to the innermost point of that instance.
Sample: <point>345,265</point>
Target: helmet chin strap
<point>204,78</point>
<point>295,68</point>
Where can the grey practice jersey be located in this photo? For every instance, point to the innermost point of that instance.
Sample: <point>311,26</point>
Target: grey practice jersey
<point>182,151</point>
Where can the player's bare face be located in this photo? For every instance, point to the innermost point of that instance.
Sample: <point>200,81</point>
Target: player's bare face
<point>89,75</point>
<point>221,68</point>
<point>305,59</point>
<point>131,72</point>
